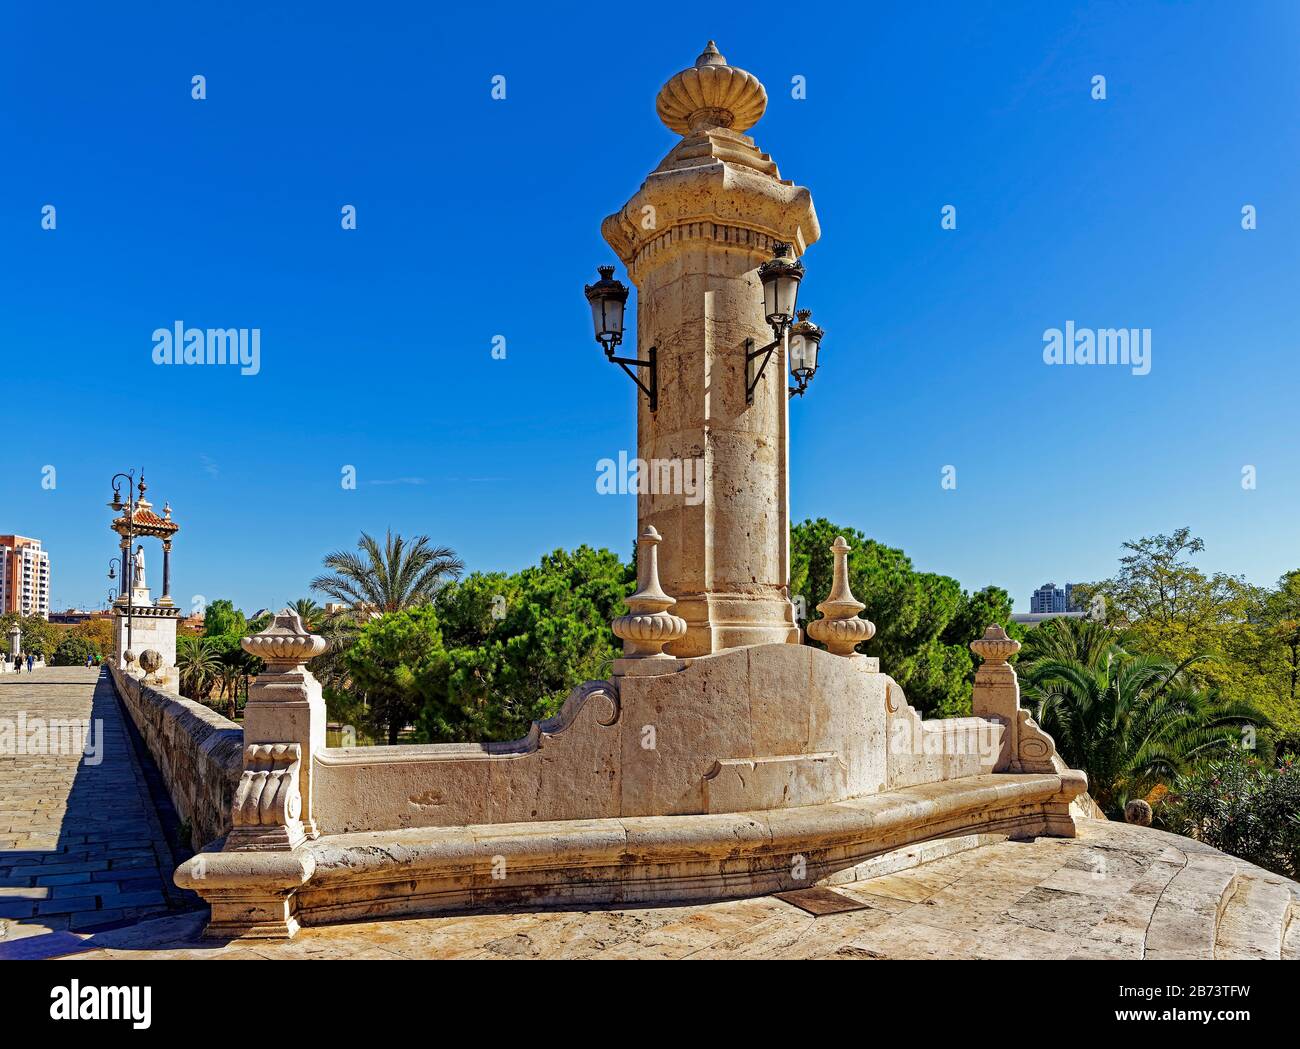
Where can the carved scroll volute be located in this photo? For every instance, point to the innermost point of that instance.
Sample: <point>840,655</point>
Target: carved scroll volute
<point>267,807</point>
<point>840,629</point>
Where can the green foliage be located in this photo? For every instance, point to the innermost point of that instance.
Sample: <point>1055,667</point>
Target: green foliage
<point>924,622</point>
<point>72,651</point>
<point>39,637</point>
<point>1241,805</point>
<point>1130,722</point>
<point>199,664</point>
<point>518,644</point>
<point>1171,610</point>
<point>222,617</point>
<point>1070,640</point>
<point>398,664</point>
<point>400,574</point>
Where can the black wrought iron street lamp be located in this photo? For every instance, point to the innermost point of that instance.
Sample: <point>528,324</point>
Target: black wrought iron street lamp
<point>124,562</point>
<point>608,301</point>
<point>781,276</point>
<point>805,341</point>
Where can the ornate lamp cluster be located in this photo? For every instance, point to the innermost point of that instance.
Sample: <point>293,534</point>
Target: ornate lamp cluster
<point>791,327</point>
<point>781,276</point>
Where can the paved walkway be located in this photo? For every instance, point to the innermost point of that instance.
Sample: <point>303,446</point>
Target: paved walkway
<point>81,847</point>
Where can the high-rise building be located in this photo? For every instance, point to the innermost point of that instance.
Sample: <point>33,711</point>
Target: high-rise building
<point>1051,598</point>
<point>24,577</point>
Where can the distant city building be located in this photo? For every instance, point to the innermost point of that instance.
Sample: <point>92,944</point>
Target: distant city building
<point>73,616</point>
<point>24,577</point>
<point>1051,598</point>
<point>1034,618</point>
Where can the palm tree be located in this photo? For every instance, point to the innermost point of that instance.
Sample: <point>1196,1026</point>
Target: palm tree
<point>198,664</point>
<point>1071,639</point>
<point>309,612</point>
<point>1130,722</point>
<point>390,578</point>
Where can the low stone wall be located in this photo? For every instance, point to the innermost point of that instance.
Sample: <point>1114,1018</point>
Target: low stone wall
<point>198,752</point>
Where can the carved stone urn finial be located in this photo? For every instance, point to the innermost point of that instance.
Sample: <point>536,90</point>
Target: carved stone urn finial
<point>285,643</point>
<point>649,625</point>
<point>840,629</point>
<point>711,94</point>
<point>995,647</point>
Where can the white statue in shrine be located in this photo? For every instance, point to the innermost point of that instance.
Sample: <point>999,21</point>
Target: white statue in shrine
<point>137,573</point>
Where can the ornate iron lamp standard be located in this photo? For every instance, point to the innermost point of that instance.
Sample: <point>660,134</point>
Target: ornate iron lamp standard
<point>128,534</point>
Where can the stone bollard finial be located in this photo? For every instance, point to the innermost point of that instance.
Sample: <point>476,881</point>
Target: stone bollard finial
<point>995,647</point>
<point>285,644</point>
<point>649,626</point>
<point>840,629</point>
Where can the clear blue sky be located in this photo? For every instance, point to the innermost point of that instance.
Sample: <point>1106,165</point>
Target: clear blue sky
<point>479,218</point>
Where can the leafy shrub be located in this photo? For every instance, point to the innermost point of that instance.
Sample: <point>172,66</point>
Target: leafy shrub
<point>1243,806</point>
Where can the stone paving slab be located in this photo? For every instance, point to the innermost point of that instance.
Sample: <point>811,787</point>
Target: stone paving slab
<point>81,847</point>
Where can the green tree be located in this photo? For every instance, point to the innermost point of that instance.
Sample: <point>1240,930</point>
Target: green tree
<point>311,614</point>
<point>1282,620</point>
<point>222,617</point>
<point>388,578</point>
<point>1130,722</point>
<point>924,622</point>
<point>72,651</point>
<point>39,636</point>
<point>398,663</point>
<point>1172,611</point>
<point>1068,639</point>
<point>1242,805</point>
<point>518,644</point>
<point>199,665</point>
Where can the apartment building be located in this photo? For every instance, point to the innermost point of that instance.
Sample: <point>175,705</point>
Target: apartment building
<point>24,576</point>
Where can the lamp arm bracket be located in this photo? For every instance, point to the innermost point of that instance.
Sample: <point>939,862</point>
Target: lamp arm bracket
<point>752,374</point>
<point>650,388</point>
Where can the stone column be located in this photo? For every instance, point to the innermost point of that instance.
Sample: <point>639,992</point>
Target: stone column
<point>692,238</point>
<point>166,598</point>
<point>996,695</point>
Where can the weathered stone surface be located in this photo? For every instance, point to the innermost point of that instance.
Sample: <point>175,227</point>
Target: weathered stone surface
<point>198,752</point>
<point>993,901</point>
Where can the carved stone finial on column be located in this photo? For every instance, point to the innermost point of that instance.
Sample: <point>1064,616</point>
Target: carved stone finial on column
<point>840,629</point>
<point>996,696</point>
<point>285,644</point>
<point>995,648</point>
<point>650,625</point>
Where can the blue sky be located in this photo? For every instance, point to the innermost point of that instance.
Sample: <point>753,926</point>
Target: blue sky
<point>479,218</point>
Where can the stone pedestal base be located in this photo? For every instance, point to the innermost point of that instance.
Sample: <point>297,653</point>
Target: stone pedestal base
<point>152,627</point>
<point>251,893</point>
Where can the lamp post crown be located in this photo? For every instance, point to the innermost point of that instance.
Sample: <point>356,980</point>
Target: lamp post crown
<point>711,94</point>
